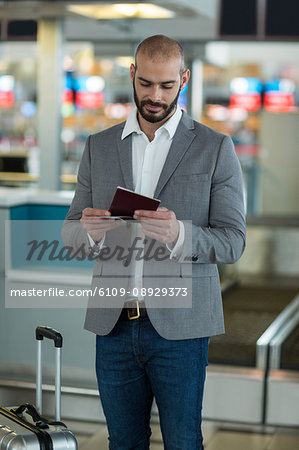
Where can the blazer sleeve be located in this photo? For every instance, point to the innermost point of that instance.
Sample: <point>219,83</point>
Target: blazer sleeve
<point>73,234</point>
<point>223,240</point>
<point>83,193</point>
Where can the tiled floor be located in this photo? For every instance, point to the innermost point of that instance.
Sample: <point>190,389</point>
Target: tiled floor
<point>217,437</point>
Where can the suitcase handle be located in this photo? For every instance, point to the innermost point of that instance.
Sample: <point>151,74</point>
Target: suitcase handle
<point>48,333</point>
<point>52,334</point>
<point>39,420</point>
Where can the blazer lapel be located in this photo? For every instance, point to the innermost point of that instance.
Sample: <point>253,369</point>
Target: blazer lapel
<point>180,144</point>
<point>125,158</point>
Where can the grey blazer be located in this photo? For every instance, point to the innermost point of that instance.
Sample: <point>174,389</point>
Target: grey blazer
<point>201,182</point>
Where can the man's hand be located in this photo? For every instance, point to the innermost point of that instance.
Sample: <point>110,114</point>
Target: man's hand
<point>161,225</point>
<point>94,222</point>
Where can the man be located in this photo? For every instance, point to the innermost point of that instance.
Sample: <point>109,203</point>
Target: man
<point>161,152</point>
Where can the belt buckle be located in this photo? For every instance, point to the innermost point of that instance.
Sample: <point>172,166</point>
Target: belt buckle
<point>133,309</point>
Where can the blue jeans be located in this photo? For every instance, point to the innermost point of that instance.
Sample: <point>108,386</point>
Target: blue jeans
<point>134,364</point>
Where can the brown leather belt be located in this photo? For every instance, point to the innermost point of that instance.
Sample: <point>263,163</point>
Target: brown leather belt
<point>133,309</point>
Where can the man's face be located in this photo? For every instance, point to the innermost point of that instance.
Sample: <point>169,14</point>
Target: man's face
<point>154,111</point>
<point>157,86</point>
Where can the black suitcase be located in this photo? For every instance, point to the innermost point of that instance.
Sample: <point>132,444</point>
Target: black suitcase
<point>24,427</point>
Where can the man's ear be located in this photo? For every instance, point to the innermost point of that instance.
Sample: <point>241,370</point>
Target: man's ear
<point>132,72</point>
<point>185,78</point>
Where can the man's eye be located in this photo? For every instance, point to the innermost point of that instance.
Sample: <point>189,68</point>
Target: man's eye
<point>167,87</point>
<point>145,84</point>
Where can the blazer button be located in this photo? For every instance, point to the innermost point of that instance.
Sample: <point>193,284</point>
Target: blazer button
<point>194,258</point>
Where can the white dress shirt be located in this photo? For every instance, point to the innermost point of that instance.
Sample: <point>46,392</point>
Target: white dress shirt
<point>148,159</point>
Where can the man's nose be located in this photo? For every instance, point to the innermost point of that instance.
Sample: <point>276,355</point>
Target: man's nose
<point>156,94</point>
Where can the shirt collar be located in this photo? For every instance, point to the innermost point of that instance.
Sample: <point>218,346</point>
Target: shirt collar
<point>172,123</point>
<point>132,125</point>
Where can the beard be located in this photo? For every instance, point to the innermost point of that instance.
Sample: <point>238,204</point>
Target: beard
<point>154,117</point>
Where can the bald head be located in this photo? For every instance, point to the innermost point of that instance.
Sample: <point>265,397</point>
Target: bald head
<point>160,47</point>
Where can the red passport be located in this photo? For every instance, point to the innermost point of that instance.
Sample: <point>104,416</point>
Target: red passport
<point>125,202</point>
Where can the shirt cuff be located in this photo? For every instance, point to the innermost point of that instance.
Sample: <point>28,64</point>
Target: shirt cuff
<point>176,250</point>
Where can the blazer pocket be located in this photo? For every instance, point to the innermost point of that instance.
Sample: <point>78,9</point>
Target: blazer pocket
<point>199,270</point>
<point>191,178</point>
